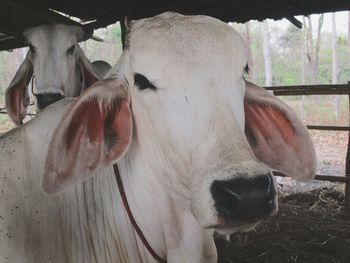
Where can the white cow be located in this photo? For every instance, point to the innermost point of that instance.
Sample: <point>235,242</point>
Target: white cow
<point>172,114</point>
<point>59,65</point>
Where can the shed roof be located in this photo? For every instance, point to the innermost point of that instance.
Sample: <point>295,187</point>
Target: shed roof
<point>17,15</point>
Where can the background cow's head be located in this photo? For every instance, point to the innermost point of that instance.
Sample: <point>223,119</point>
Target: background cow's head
<point>178,107</point>
<point>59,65</point>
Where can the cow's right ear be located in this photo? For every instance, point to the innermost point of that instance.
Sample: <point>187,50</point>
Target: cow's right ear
<point>276,135</point>
<point>16,95</point>
<point>95,132</point>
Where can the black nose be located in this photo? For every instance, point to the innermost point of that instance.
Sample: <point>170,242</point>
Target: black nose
<point>46,99</point>
<point>245,199</point>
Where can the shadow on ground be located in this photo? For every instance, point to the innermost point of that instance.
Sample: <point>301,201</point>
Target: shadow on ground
<point>310,227</point>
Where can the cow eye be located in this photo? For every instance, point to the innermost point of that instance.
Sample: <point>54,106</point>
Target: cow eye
<point>70,50</point>
<point>143,83</point>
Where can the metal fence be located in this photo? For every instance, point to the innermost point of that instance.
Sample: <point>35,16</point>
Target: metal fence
<point>341,89</point>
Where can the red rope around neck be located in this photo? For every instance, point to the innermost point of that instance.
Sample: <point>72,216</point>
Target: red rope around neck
<point>131,217</point>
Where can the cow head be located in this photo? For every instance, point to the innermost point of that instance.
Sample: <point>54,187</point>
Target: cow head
<point>59,65</point>
<point>178,107</point>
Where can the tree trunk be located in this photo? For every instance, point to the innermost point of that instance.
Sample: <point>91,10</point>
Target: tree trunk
<point>317,52</point>
<point>334,51</point>
<point>313,51</point>
<point>267,54</point>
<point>335,65</point>
<point>302,55</point>
<point>318,43</point>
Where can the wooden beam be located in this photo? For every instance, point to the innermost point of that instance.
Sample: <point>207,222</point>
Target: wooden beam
<point>46,15</point>
<point>40,17</point>
<point>9,29</point>
<point>5,113</point>
<point>237,11</point>
<point>328,128</point>
<point>295,21</point>
<point>308,87</point>
<point>12,43</point>
<point>310,90</point>
<point>322,177</point>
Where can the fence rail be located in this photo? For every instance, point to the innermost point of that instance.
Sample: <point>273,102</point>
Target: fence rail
<point>28,114</point>
<point>338,89</point>
<point>323,177</point>
<point>328,128</point>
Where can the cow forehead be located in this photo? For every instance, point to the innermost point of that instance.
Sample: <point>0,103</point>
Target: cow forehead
<point>180,35</point>
<point>53,35</point>
<point>171,44</point>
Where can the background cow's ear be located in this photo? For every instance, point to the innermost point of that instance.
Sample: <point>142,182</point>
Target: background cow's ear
<point>101,67</point>
<point>95,132</point>
<point>276,135</point>
<point>125,30</point>
<point>16,95</point>
<point>88,73</point>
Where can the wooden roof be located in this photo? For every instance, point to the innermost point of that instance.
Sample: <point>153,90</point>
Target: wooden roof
<point>17,15</point>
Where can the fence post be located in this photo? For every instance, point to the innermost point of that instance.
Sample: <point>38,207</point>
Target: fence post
<point>347,169</point>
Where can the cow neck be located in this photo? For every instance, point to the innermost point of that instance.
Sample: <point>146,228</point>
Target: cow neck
<point>131,217</point>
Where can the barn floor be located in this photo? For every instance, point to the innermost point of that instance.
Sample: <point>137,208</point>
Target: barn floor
<point>310,227</point>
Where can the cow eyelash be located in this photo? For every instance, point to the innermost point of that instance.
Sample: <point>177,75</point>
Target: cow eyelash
<point>143,83</point>
<point>70,50</point>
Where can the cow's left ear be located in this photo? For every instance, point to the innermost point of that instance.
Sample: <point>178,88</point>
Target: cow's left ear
<point>276,135</point>
<point>16,95</point>
<point>88,73</point>
<point>95,132</point>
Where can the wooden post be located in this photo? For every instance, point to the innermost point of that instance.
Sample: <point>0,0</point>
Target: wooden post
<point>347,170</point>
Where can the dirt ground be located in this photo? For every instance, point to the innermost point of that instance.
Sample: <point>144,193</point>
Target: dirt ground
<point>310,227</point>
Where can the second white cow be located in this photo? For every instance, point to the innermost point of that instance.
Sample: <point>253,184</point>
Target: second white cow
<point>58,64</point>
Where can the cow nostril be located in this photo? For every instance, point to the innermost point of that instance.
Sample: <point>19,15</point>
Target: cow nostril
<point>47,99</point>
<point>244,199</point>
<point>227,202</point>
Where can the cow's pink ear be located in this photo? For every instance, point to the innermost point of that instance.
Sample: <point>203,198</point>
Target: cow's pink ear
<point>16,95</point>
<point>95,132</point>
<point>276,135</point>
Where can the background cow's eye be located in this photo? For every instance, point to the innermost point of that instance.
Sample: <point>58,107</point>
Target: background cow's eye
<point>70,50</point>
<point>246,70</point>
<point>32,48</point>
<point>143,83</point>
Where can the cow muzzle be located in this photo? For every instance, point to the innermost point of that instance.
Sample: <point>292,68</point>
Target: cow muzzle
<point>242,202</point>
<point>46,99</point>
